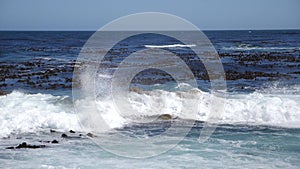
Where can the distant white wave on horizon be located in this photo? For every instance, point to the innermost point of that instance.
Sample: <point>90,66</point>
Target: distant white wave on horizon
<point>169,46</point>
<point>249,47</point>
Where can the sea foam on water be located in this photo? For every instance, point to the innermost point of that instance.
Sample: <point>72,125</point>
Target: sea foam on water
<point>21,112</point>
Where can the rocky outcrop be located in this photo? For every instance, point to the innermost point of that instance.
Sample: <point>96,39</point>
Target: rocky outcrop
<point>165,117</point>
<point>25,145</point>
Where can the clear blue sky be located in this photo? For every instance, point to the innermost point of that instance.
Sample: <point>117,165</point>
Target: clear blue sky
<point>93,14</point>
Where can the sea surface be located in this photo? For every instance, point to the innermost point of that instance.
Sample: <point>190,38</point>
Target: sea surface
<point>259,128</point>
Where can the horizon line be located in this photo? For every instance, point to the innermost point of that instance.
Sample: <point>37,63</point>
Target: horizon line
<point>92,30</point>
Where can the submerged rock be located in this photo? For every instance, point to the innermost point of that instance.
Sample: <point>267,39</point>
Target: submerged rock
<point>90,135</point>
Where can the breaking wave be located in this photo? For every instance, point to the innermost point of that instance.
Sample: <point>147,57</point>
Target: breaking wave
<point>21,112</point>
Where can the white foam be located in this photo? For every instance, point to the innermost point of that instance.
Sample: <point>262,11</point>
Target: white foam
<point>20,112</point>
<point>169,46</point>
<point>263,109</point>
<point>258,108</point>
<point>248,47</point>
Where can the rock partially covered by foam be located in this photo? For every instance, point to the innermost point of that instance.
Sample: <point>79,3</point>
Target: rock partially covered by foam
<point>3,93</point>
<point>165,117</point>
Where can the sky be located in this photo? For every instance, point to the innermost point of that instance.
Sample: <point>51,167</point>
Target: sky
<point>93,14</point>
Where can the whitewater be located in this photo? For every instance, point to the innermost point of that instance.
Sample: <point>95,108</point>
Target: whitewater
<point>22,113</point>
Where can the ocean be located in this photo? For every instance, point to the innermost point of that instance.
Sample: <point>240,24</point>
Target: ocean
<point>259,128</point>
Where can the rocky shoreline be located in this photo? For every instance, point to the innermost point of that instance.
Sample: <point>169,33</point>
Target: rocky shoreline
<point>48,143</point>
<point>52,74</point>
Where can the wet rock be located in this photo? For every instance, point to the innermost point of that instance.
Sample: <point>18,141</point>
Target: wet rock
<point>52,131</point>
<point>44,141</point>
<point>70,137</point>
<point>3,93</point>
<point>68,80</point>
<point>90,135</point>
<point>3,85</point>
<point>136,90</point>
<point>71,131</point>
<point>25,145</point>
<point>165,117</point>
<point>64,135</point>
<point>54,142</point>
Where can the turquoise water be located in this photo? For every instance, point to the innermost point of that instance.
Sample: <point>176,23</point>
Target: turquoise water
<point>229,147</point>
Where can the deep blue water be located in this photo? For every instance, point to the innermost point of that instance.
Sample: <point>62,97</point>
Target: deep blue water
<point>275,53</point>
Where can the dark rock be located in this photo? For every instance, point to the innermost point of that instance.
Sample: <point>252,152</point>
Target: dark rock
<point>71,131</point>
<point>3,85</point>
<point>54,142</point>
<point>90,135</point>
<point>44,141</point>
<point>25,145</point>
<point>70,137</point>
<point>68,80</point>
<point>52,131</point>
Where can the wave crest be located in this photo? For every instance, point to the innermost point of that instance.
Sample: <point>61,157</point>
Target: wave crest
<point>20,112</point>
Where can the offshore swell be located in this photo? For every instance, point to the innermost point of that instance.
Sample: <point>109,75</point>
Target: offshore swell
<point>260,124</point>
